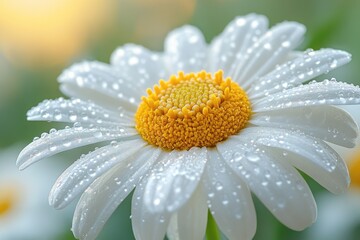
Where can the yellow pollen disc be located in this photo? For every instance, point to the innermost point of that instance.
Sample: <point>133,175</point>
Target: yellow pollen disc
<point>354,170</point>
<point>192,110</point>
<point>8,198</point>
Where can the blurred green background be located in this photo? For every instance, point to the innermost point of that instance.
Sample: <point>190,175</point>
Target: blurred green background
<point>39,38</point>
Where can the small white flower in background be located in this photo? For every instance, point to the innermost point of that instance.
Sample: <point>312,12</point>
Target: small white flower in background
<point>339,217</point>
<point>24,214</point>
<point>200,139</point>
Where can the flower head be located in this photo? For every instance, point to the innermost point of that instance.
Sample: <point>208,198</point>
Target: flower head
<point>199,127</point>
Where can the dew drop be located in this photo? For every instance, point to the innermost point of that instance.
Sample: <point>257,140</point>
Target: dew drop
<point>285,44</point>
<point>334,64</point>
<point>73,118</point>
<point>98,134</point>
<point>156,201</point>
<point>219,186</point>
<point>252,157</point>
<point>52,148</point>
<point>53,130</point>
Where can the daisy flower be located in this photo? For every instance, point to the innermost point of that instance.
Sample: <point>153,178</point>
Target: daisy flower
<point>24,213</point>
<point>339,217</point>
<point>200,127</point>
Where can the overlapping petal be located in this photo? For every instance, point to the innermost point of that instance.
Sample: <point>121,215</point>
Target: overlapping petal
<point>328,123</point>
<point>104,195</point>
<point>276,183</point>
<point>146,224</point>
<point>74,180</point>
<point>139,66</point>
<point>66,139</point>
<point>185,50</point>
<point>229,199</point>
<point>93,80</point>
<point>234,41</point>
<point>77,110</point>
<point>190,221</point>
<point>267,52</point>
<point>315,157</point>
<point>301,69</point>
<point>327,92</point>
<point>172,180</point>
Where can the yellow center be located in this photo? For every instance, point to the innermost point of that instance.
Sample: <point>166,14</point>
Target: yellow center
<point>354,170</point>
<point>8,197</point>
<point>192,110</point>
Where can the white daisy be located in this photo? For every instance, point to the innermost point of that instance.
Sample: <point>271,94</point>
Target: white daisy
<point>200,140</point>
<point>339,217</point>
<point>24,213</point>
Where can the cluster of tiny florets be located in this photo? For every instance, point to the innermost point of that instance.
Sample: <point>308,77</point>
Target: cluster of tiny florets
<point>192,110</point>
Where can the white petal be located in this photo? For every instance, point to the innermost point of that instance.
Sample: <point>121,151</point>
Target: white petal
<point>74,180</point>
<point>77,110</point>
<point>66,139</point>
<point>101,199</point>
<point>173,180</point>
<point>138,65</point>
<point>328,123</point>
<point>229,199</point>
<point>307,66</point>
<point>277,184</point>
<point>172,232</point>
<point>327,92</point>
<point>95,78</point>
<point>312,156</point>
<point>234,41</point>
<point>185,50</point>
<point>190,221</point>
<point>147,225</point>
<point>267,52</point>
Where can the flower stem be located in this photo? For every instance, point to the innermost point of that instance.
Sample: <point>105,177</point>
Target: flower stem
<point>212,231</point>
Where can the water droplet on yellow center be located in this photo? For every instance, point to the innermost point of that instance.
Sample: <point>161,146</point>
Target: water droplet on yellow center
<point>192,110</point>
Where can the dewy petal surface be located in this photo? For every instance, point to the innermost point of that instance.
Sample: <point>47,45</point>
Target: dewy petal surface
<point>99,78</point>
<point>315,157</point>
<point>234,41</point>
<point>139,66</point>
<point>277,184</point>
<point>229,199</point>
<point>77,110</point>
<point>101,199</point>
<point>327,92</point>
<point>328,123</point>
<point>74,180</point>
<point>185,50</point>
<point>190,221</point>
<point>272,47</point>
<point>301,69</point>
<point>147,225</point>
<point>66,139</point>
<point>172,180</point>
